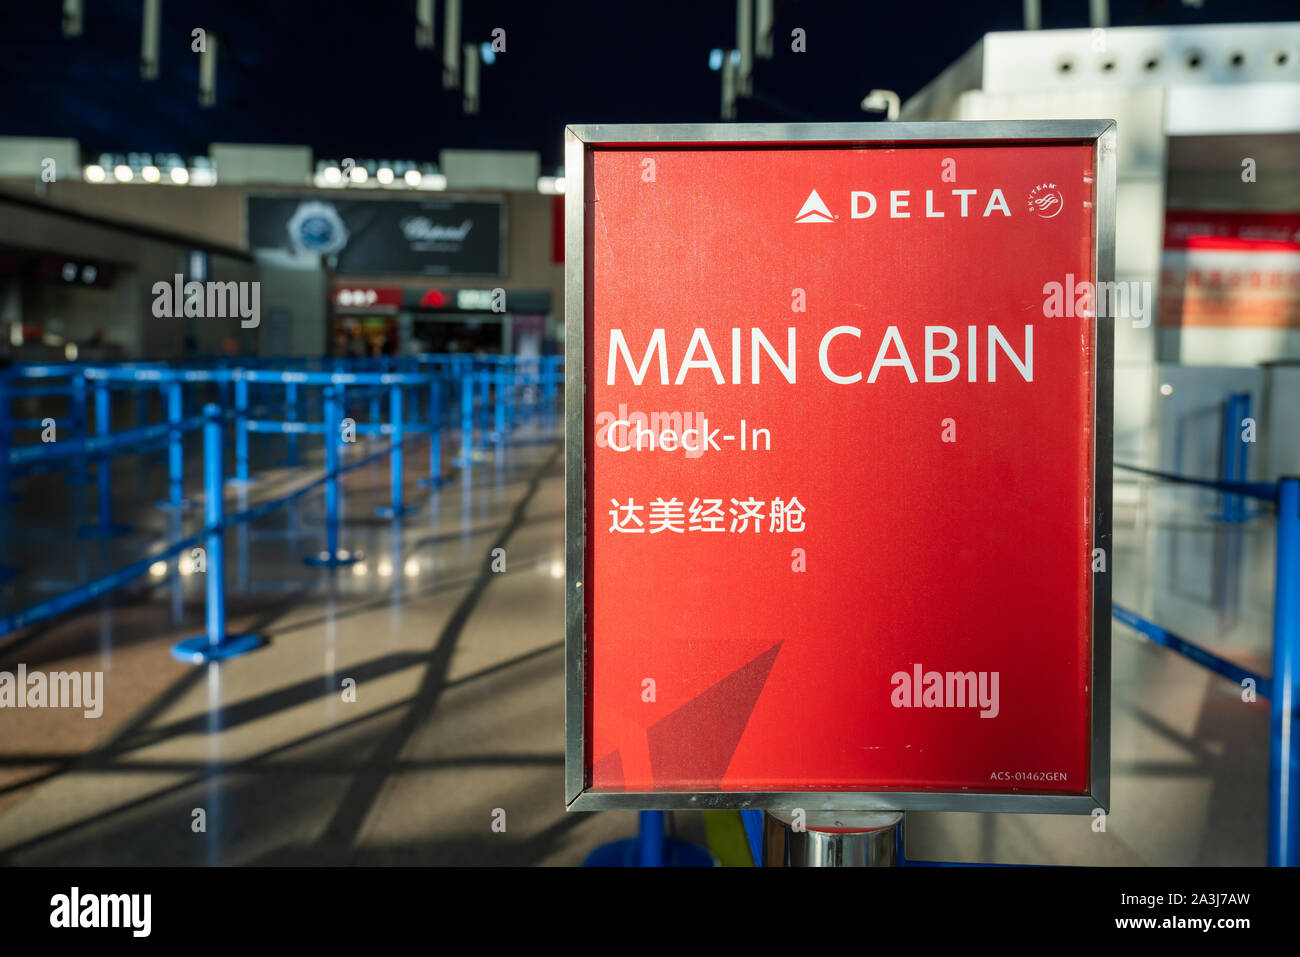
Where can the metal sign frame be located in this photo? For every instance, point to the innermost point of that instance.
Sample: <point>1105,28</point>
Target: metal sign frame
<point>580,142</point>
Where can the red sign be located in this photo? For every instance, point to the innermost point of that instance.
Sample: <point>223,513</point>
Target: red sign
<point>1231,269</point>
<point>368,297</point>
<point>838,466</point>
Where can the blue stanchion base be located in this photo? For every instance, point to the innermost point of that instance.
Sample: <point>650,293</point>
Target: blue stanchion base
<point>624,854</point>
<point>103,531</point>
<point>387,511</point>
<point>324,559</point>
<point>198,649</point>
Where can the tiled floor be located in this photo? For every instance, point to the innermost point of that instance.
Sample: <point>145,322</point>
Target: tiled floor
<point>458,710</point>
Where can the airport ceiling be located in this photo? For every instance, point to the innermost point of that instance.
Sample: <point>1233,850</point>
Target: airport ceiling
<point>347,79</point>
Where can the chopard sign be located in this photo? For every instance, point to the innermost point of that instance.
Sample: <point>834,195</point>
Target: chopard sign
<point>422,229</point>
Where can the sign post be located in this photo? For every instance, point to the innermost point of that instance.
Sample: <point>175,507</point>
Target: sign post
<point>838,466</point>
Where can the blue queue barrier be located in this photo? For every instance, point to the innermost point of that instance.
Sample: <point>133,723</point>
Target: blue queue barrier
<point>216,522</point>
<point>103,379</point>
<point>427,373</point>
<point>1234,463</point>
<point>434,478</point>
<point>7,498</point>
<point>1282,689</point>
<point>105,528</point>
<point>332,556</point>
<point>175,398</point>
<point>397,509</point>
<point>214,644</point>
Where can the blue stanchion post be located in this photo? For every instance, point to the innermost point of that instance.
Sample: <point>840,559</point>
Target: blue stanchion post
<point>214,644</point>
<point>103,469</point>
<point>6,435</point>
<point>6,497</point>
<point>753,821</point>
<point>241,432</point>
<point>1284,738</point>
<point>332,556</point>
<point>652,847</point>
<point>1233,462</point>
<point>396,509</point>
<point>175,399</point>
<point>466,420</point>
<point>499,408</point>
<point>81,416</point>
<point>435,434</point>
<point>341,393</point>
<point>552,368</point>
<point>291,415</point>
<point>650,839</point>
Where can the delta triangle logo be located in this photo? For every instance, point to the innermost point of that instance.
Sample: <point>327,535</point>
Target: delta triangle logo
<point>814,211</point>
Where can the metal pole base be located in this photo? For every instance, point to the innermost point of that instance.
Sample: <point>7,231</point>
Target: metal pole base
<point>831,839</point>
<point>387,511</point>
<point>326,559</point>
<point>103,531</point>
<point>199,649</point>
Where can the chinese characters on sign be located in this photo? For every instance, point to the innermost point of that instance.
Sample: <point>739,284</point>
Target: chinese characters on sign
<point>706,515</point>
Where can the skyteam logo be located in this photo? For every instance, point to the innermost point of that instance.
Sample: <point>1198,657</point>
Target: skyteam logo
<point>1045,200</point>
<point>814,211</point>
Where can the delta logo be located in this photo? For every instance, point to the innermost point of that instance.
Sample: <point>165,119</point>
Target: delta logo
<point>904,204</point>
<point>814,211</point>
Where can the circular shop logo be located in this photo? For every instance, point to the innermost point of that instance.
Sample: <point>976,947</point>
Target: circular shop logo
<point>1045,200</point>
<point>316,227</point>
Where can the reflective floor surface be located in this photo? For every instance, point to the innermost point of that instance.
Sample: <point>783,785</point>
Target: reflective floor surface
<point>405,705</point>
